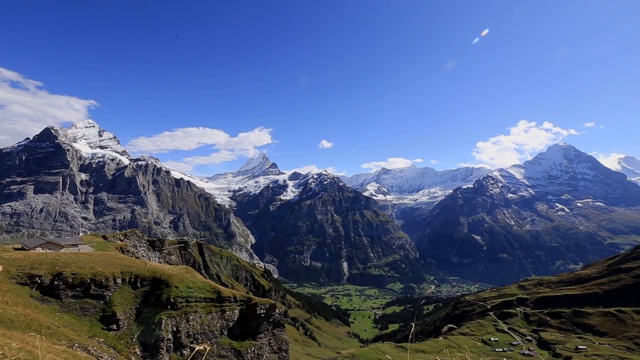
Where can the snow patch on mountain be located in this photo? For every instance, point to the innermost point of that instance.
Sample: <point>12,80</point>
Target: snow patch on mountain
<point>413,185</point>
<point>94,142</point>
<point>256,174</point>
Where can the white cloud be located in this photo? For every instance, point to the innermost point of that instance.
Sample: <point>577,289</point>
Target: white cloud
<point>609,160</point>
<point>391,163</point>
<point>217,157</point>
<point>434,162</point>
<point>591,124</point>
<point>178,139</point>
<point>228,148</point>
<point>188,164</point>
<point>25,108</point>
<point>314,169</point>
<point>524,140</point>
<point>324,144</point>
<point>248,140</point>
<point>194,137</point>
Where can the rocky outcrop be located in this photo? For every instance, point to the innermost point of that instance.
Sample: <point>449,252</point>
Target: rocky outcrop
<point>212,263</point>
<point>166,326</point>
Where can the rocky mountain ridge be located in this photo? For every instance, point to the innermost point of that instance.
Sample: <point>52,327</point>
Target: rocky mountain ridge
<point>314,228</point>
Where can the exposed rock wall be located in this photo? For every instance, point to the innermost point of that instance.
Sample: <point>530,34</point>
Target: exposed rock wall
<point>232,328</point>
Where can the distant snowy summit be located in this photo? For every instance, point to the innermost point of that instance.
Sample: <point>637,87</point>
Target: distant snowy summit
<point>93,141</point>
<point>89,134</point>
<point>629,166</point>
<point>413,185</point>
<point>258,166</point>
<point>564,170</point>
<point>87,137</point>
<point>257,174</point>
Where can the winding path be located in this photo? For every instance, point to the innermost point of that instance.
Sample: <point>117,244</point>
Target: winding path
<point>504,327</point>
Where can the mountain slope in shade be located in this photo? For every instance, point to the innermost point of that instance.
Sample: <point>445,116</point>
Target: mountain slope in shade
<point>408,193</point>
<point>79,180</point>
<point>314,228</point>
<point>554,213</point>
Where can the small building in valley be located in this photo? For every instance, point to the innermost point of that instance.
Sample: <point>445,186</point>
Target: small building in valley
<point>40,244</point>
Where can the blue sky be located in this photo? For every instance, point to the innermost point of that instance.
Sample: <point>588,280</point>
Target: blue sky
<point>373,79</point>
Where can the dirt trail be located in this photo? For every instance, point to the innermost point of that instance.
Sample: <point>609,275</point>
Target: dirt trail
<point>502,325</point>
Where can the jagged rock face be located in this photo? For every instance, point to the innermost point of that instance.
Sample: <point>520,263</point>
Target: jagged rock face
<point>52,184</point>
<point>554,213</point>
<point>327,233</point>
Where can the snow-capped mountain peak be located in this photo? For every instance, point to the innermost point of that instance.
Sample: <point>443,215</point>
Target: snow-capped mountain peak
<point>412,184</point>
<point>630,166</point>
<point>90,134</point>
<point>560,160</point>
<point>92,141</point>
<point>260,161</point>
<point>258,166</point>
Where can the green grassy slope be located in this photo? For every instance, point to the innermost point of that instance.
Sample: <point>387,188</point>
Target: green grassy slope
<point>32,325</point>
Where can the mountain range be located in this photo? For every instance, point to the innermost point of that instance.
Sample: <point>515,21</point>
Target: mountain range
<point>553,213</point>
